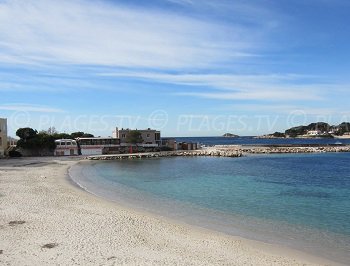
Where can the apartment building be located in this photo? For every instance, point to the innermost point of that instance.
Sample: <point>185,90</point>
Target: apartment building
<point>3,136</point>
<point>151,137</point>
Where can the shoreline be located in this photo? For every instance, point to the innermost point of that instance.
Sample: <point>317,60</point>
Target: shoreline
<point>266,231</point>
<point>78,215</point>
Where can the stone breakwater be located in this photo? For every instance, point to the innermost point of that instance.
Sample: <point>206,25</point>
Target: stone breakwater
<point>206,152</point>
<point>282,149</point>
<point>271,150</point>
<point>224,151</point>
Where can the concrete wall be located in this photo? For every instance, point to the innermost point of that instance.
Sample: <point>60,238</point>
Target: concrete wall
<point>91,151</point>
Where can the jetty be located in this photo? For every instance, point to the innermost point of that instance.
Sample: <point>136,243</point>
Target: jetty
<point>189,153</point>
<point>228,151</point>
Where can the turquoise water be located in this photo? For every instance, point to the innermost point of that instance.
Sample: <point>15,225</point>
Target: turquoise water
<point>299,200</point>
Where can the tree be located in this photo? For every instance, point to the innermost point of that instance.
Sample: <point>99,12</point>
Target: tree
<point>45,141</point>
<point>50,131</point>
<point>87,135</point>
<point>81,134</point>
<point>134,137</point>
<point>61,136</point>
<point>35,142</point>
<point>26,133</point>
<point>78,134</point>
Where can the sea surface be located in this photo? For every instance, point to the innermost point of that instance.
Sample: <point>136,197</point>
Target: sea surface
<point>296,200</point>
<point>209,141</point>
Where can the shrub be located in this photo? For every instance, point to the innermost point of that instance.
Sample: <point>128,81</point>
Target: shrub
<point>14,154</point>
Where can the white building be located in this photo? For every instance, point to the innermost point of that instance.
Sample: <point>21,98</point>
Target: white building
<point>98,146</point>
<point>66,147</point>
<point>3,136</point>
<point>314,132</point>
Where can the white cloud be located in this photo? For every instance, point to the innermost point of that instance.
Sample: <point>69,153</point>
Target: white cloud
<point>240,87</point>
<point>286,109</point>
<point>22,107</point>
<point>253,95</point>
<point>98,33</point>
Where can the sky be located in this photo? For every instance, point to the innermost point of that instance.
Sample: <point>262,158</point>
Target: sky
<point>185,67</point>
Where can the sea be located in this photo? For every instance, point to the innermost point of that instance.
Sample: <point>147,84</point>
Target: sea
<point>301,201</point>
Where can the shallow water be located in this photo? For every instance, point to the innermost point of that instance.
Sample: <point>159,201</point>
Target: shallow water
<point>298,200</point>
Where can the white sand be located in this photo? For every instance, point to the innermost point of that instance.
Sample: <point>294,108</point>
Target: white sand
<point>92,231</point>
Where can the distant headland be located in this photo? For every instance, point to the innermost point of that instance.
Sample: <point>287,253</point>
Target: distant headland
<point>313,130</point>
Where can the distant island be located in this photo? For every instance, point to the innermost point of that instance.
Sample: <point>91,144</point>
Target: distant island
<point>313,130</point>
<point>230,135</point>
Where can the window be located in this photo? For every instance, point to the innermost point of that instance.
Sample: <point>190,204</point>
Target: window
<point>123,136</point>
<point>148,136</point>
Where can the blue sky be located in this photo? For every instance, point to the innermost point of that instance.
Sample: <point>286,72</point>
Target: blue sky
<point>186,67</point>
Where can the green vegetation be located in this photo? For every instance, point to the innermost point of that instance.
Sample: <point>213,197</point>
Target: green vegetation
<point>325,129</point>
<point>44,141</point>
<point>35,142</point>
<point>343,128</point>
<point>80,134</point>
<point>279,135</point>
<point>134,137</point>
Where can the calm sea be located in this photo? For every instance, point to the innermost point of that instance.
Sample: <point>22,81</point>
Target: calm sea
<point>297,200</point>
<point>252,141</point>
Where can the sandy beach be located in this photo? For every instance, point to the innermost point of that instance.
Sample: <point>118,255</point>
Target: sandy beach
<point>45,220</point>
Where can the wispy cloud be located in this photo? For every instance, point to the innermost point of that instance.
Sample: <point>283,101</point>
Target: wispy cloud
<point>253,95</point>
<point>109,34</point>
<point>282,109</point>
<point>285,87</point>
<point>22,107</point>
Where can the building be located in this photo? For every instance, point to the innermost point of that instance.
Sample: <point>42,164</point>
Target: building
<point>172,144</point>
<point>66,147</point>
<point>314,132</point>
<point>98,146</point>
<point>151,137</point>
<point>3,136</point>
<point>86,146</point>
